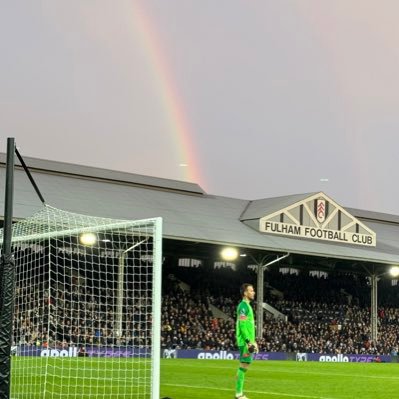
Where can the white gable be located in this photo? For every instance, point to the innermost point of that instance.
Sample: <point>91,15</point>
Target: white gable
<point>318,217</point>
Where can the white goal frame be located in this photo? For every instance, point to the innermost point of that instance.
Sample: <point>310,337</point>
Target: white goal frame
<point>29,233</point>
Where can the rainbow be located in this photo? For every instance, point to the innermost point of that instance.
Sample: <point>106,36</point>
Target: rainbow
<point>183,134</point>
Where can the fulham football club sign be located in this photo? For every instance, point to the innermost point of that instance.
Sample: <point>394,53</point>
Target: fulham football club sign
<point>318,217</point>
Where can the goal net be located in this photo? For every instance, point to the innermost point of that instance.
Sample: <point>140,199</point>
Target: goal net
<point>87,307</point>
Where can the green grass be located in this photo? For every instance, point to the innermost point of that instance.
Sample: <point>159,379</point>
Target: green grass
<point>79,378</point>
<point>215,379</point>
<point>195,379</point>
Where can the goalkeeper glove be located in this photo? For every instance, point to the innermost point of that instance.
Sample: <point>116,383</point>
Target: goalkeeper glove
<point>251,347</point>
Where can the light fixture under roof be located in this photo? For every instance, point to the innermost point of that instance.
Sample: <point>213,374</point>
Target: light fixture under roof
<point>229,253</point>
<point>88,238</point>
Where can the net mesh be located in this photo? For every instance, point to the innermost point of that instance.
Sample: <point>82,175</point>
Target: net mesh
<point>85,296</point>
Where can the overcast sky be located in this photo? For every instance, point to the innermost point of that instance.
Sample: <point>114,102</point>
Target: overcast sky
<point>258,98</point>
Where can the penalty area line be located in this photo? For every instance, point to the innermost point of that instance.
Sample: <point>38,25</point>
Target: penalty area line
<point>280,394</point>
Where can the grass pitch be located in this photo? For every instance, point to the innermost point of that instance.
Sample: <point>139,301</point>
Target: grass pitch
<point>80,378</point>
<point>215,379</point>
<point>198,379</point>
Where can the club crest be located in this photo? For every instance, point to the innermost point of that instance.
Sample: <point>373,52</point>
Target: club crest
<point>321,210</point>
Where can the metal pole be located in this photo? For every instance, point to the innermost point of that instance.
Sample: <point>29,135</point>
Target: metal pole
<point>30,177</point>
<point>7,278</point>
<point>374,307</point>
<point>120,292</point>
<point>156,310</point>
<point>259,305</point>
<point>119,302</point>
<point>260,284</point>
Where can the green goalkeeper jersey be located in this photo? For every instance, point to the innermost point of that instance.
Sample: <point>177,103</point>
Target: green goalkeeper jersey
<point>245,327</point>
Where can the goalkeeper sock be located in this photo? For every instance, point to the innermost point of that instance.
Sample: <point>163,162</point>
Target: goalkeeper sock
<point>240,381</point>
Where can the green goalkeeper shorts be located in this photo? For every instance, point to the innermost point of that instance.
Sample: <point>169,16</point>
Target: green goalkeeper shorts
<point>245,356</point>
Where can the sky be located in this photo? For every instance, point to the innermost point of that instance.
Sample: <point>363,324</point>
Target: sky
<point>247,98</point>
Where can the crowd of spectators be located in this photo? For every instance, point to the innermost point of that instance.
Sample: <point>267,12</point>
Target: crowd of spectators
<point>79,318</point>
<point>58,309</point>
<point>323,315</point>
<point>311,327</point>
<point>188,323</point>
<point>325,328</point>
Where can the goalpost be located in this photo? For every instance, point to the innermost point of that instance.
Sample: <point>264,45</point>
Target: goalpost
<point>87,307</point>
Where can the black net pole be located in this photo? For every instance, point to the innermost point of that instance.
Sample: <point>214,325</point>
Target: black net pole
<point>30,176</point>
<point>7,278</point>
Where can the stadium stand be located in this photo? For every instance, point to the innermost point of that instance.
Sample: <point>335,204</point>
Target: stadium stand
<point>324,314</point>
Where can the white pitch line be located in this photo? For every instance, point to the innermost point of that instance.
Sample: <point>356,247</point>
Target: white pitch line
<point>280,394</point>
<point>256,370</point>
<point>376,377</point>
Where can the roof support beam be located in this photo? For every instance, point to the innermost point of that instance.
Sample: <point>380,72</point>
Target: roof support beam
<point>260,269</point>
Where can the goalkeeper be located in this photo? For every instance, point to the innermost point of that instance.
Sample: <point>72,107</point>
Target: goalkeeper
<point>245,334</point>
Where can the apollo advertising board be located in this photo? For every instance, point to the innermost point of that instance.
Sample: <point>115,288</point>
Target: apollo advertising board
<point>130,352</point>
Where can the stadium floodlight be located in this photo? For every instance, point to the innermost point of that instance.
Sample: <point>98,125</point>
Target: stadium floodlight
<point>88,238</point>
<point>394,271</point>
<point>229,253</point>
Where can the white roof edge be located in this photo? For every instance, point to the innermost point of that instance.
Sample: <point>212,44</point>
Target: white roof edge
<point>293,251</point>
